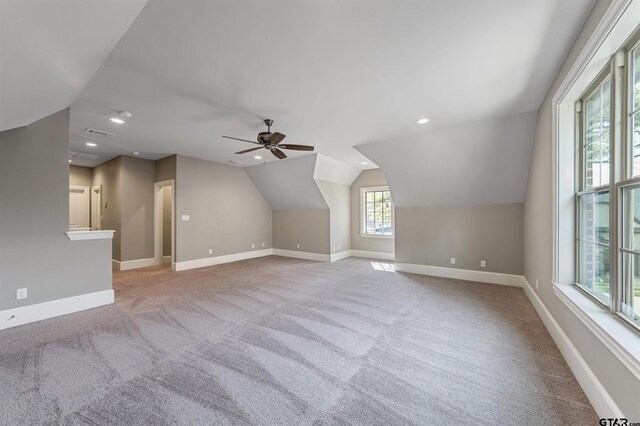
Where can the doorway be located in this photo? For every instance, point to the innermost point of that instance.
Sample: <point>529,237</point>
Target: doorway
<point>79,208</point>
<point>164,223</point>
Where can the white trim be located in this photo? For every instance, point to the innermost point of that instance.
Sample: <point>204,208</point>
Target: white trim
<point>339,256</point>
<point>166,260</point>
<point>616,336</point>
<point>133,264</point>
<point>610,18</point>
<point>41,311</point>
<point>303,255</point>
<point>157,221</point>
<point>217,260</point>
<point>373,255</point>
<point>90,235</point>
<point>462,274</point>
<point>362,220</point>
<point>600,399</point>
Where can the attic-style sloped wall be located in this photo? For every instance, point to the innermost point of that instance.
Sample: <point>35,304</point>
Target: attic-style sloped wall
<point>458,193</point>
<point>483,162</point>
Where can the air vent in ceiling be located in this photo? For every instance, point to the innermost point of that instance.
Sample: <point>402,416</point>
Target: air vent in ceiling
<point>100,133</point>
<point>233,162</point>
<point>81,156</point>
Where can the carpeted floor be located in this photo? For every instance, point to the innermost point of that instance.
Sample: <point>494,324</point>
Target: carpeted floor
<point>284,341</point>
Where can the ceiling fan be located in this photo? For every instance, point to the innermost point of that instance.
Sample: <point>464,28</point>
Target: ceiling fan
<point>271,142</point>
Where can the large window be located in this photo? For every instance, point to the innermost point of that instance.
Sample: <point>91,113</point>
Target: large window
<point>377,212</point>
<point>608,186</point>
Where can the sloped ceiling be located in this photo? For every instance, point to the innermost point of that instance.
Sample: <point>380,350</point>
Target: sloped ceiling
<point>49,50</point>
<point>482,162</point>
<point>334,171</point>
<point>288,184</point>
<point>333,74</point>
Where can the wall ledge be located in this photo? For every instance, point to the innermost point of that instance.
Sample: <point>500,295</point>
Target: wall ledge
<point>600,399</point>
<point>90,235</point>
<point>380,255</point>
<point>462,274</point>
<point>41,311</point>
<point>619,338</point>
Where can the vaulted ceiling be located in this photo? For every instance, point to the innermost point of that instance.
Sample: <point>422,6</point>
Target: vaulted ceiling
<point>331,74</point>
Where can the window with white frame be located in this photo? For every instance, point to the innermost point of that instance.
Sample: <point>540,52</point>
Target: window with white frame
<point>376,212</point>
<point>608,185</point>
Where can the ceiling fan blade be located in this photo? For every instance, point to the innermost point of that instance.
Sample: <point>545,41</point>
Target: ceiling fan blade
<point>248,150</point>
<point>296,147</point>
<point>281,155</point>
<point>276,138</point>
<point>243,140</point>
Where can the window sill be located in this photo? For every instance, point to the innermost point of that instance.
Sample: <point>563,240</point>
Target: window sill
<point>618,337</point>
<point>388,237</point>
<point>89,235</point>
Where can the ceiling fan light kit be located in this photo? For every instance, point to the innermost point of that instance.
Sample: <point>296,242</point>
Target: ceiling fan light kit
<point>271,142</point>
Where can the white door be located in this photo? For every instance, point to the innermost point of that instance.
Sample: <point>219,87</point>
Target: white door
<point>96,207</point>
<point>79,207</point>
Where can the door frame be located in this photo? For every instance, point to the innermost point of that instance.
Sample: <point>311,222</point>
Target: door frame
<point>92,206</point>
<point>157,221</point>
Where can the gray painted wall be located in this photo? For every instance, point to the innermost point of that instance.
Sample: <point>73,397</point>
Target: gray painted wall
<point>108,176</point>
<point>136,208</point>
<point>227,213</point>
<point>80,176</point>
<point>623,387</point>
<point>368,178</point>
<point>490,232</point>
<point>338,197</point>
<point>34,250</point>
<point>309,228</point>
<point>166,168</point>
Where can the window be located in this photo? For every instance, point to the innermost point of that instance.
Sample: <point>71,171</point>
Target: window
<point>377,212</point>
<point>608,186</point>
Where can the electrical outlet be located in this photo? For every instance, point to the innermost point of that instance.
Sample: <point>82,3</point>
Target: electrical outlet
<point>21,293</point>
<point>334,249</point>
<point>185,218</point>
<point>253,245</point>
<point>453,260</point>
<point>262,244</point>
<point>536,284</point>
<point>210,251</point>
<point>483,264</point>
<point>338,246</point>
<point>297,245</point>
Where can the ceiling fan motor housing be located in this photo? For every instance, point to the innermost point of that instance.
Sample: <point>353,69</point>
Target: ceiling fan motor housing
<point>263,137</point>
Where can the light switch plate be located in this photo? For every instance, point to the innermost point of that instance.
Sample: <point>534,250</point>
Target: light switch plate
<point>185,218</point>
<point>21,293</point>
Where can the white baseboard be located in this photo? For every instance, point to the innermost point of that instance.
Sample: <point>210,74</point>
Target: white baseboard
<point>41,311</point>
<point>217,260</point>
<point>373,255</point>
<point>600,399</point>
<point>339,256</point>
<point>133,264</point>
<point>462,274</point>
<point>303,255</point>
<point>166,260</point>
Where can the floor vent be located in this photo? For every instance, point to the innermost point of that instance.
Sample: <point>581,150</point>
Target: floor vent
<point>81,156</point>
<point>100,133</point>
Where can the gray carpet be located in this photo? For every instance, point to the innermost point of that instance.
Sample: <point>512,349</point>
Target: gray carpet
<point>284,341</point>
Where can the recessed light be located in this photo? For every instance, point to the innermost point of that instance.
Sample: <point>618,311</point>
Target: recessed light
<point>257,157</point>
<point>364,163</point>
<point>135,153</point>
<point>117,120</point>
<point>423,121</point>
<point>70,161</point>
<point>91,144</point>
<point>125,114</point>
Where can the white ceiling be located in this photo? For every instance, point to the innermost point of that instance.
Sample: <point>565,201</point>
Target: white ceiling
<point>49,50</point>
<point>333,74</point>
<point>482,162</point>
